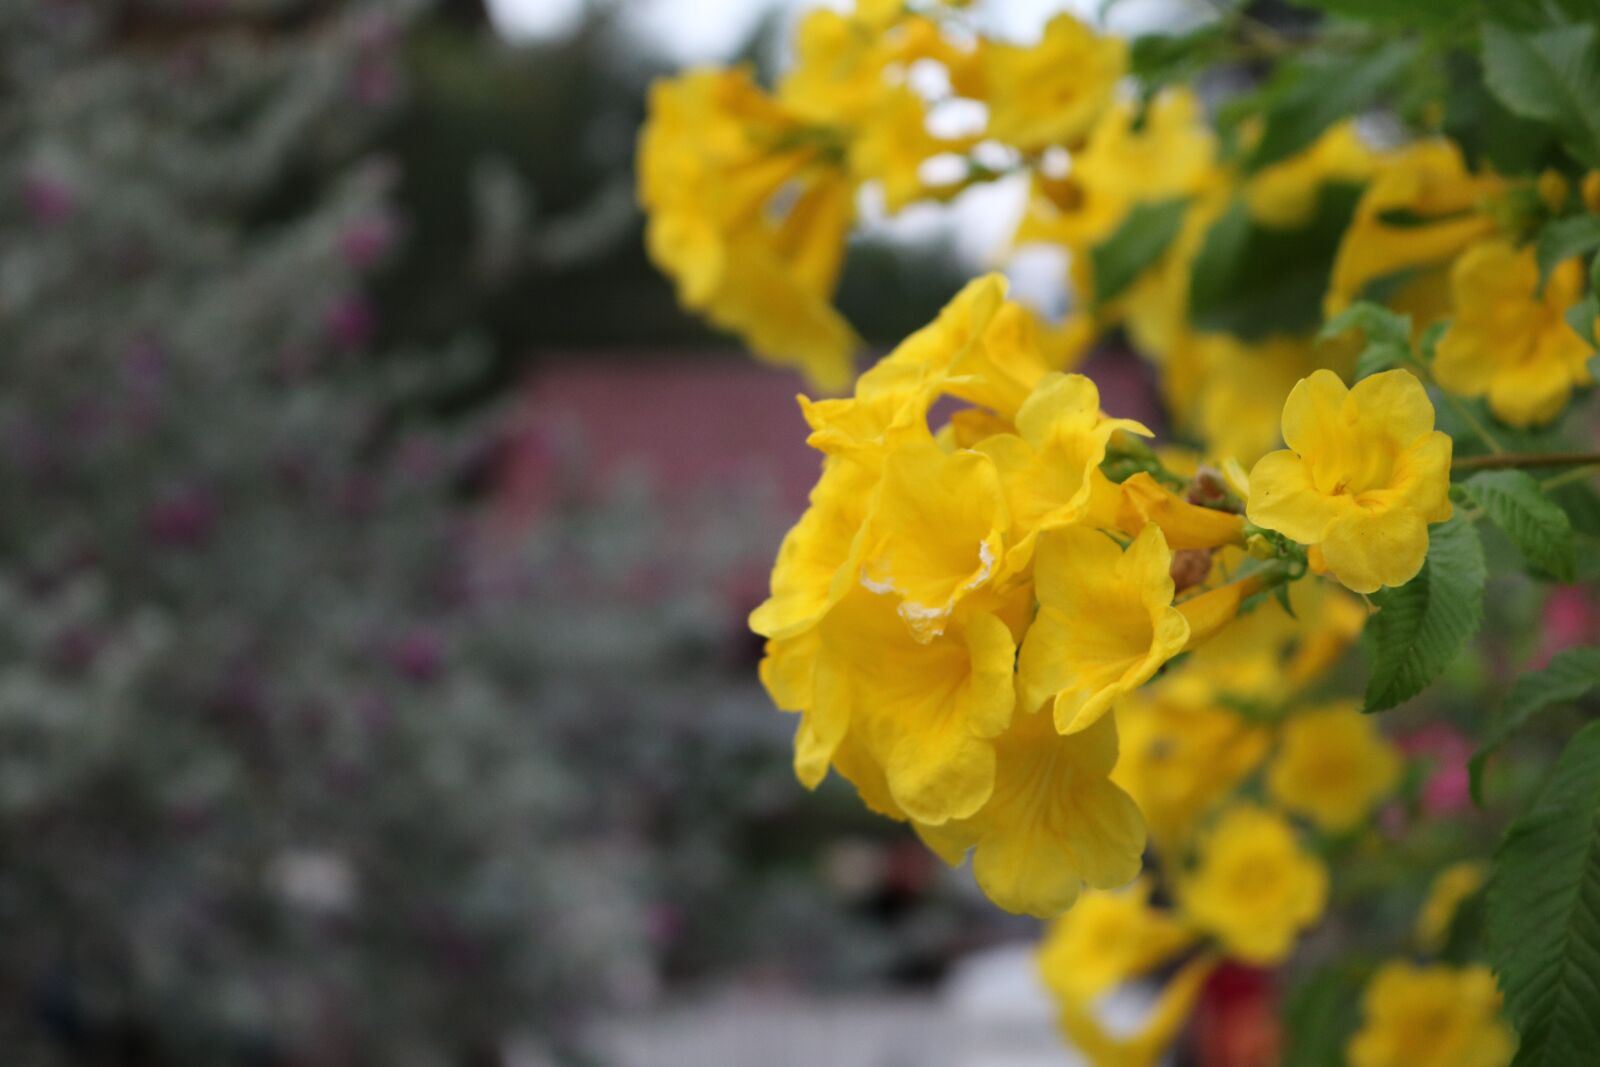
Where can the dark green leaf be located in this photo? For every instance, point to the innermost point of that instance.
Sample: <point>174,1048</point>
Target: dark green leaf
<point>1388,336</point>
<point>1160,59</point>
<point>1551,77</point>
<point>1135,246</point>
<point>1418,14</point>
<point>1564,238</point>
<point>1320,96</point>
<point>1581,316</point>
<point>1544,914</point>
<point>1319,1014</point>
<point>1421,626</point>
<point>1253,281</point>
<point>1570,675</point>
<point>1534,523</point>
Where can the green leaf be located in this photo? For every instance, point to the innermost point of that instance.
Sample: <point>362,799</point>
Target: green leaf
<point>1319,1014</point>
<point>1534,523</point>
<point>1552,77</point>
<point>1420,14</point>
<point>1544,914</point>
<point>1388,336</point>
<point>1562,239</point>
<point>1569,675</point>
<point>1321,95</point>
<point>1160,59</point>
<point>1135,246</point>
<point>1421,626</point>
<point>1581,316</point>
<point>1253,280</point>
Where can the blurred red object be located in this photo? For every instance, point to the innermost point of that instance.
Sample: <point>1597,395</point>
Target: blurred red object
<point>1571,617</point>
<point>1447,750</point>
<point>1236,1021</point>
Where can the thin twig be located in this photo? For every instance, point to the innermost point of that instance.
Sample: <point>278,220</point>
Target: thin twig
<point>1526,460</point>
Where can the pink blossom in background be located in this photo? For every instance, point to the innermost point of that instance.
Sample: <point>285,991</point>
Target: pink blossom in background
<point>1447,750</point>
<point>1571,617</point>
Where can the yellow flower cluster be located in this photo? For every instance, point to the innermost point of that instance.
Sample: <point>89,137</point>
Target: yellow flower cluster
<point>1431,1016</point>
<point>957,611</point>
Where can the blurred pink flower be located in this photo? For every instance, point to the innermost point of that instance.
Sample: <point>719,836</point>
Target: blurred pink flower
<point>50,201</point>
<point>1571,617</point>
<point>351,321</point>
<point>1447,751</point>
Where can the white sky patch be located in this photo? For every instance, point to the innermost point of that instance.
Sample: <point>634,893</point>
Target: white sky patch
<point>535,20</point>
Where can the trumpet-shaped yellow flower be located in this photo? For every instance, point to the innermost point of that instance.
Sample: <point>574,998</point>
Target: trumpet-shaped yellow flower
<point>1053,92</point>
<point>1450,889</point>
<point>1106,622</point>
<point>1254,888</point>
<point>1333,766</point>
<point>1422,208</point>
<point>936,533</point>
<point>1170,153</point>
<point>1107,939</point>
<point>819,559</point>
<point>1055,822</point>
<point>1148,1046</point>
<point>1050,465</point>
<point>748,213</point>
<point>1509,343</point>
<point>925,714</point>
<point>1431,1017</point>
<point>1284,194</point>
<point>1180,759</point>
<point>1363,476</point>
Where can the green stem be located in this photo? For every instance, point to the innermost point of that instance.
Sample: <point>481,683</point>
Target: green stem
<point>1576,475</point>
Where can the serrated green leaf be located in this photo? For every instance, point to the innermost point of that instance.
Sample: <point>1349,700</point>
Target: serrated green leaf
<point>1544,914</point>
<point>1569,675</point>
<point>1253,281</point>
<point>1538,527</point>
<point>1564,238</point>
<point>1136,245</point>
<point>1421,626</point>
<point>1321,95</point>
<point>1551,77</point>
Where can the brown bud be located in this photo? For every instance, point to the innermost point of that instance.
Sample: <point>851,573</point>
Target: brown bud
<point>1190,567</point>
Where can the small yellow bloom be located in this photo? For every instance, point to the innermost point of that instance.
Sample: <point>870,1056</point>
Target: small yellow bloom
<point>1180,759</point>
<point>1363,476</point>
<point>1447,205</point>
<point>819,558</point>
<point>1431,1017</point>
<point>1333,766</point>
<point>1451,887</point>
<point>1284,194</point>
<point>1106,622</point>
<point>1508,342</point>
<point>1147,1046</point>
<point>1107,939</point>
<point>1053,92</point>
<point>748,213</point>
<point>1054,824</point>
<point>1255,889</point>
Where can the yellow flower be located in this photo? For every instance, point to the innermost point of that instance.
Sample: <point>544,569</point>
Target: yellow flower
<point>1126,161</point>
<point>893,144</point>
<point>1363,476</point>
<point>820,556</point>
<point>1255,889</point>
<point>838,73</point>
<point>748,213</point>
<point>1050,465</point>
<point>936,532</point>
<point>1148,1046</point>
<point>1180,759</point>
<point>1446,205</point>
<point>1333,766</point>
<point>1235,390</point>
<point>924,715</point>
<point>1508,342</point>
<point>1106,622</point>
<point>1107,939</point>
<point>1052,93</point>
<point>1284,194</point>
<point>1431,1017</point>
<point>1451,887</point>
<point>1054,823</point>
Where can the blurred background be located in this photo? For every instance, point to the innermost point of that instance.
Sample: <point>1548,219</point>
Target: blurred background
<point>378,540</point>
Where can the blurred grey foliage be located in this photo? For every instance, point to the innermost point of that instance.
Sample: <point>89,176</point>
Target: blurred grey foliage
<point>276,785</point>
